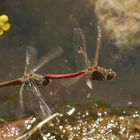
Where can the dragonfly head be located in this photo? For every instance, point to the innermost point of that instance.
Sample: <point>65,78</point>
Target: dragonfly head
<point>103,74</point>
<point>110,74</point>
<point>45,82</point>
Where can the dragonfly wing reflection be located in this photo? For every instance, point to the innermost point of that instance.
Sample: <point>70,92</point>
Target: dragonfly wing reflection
<point>79,41</point>
<point>31,54</point>
<point>47,58</point>
<point>37,102</point>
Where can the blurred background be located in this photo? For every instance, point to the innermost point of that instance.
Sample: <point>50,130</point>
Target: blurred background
<point>48,24</point>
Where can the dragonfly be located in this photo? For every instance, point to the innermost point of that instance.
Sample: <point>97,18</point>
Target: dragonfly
<point>31,82</point>
<point>92,71</point>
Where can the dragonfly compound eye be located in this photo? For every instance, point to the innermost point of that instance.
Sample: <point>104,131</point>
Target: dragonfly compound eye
<point>97,75</point>
<point>111,74</point>
<point>46,82</point>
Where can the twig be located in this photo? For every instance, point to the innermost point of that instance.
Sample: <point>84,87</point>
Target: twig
<point>36,127</point>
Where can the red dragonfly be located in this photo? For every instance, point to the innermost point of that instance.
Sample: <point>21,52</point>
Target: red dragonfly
<point>32,99</point>
<point>33,81</point>
<point>92,71</point>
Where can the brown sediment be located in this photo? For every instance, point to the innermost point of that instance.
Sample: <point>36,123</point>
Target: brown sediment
<point>10,130</point>
<point>92,121</point>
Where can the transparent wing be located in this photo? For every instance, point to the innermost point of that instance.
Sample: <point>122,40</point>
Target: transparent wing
<point>96,59</point>
<point>31,57</point>
<point>89,83</point>
<point>21,96</point>
<point>70,81</point>
<point>20,108</point>
<point>81,56</point>
<point>38,104</point>
<point>47,58</point>
<point>99,36</point>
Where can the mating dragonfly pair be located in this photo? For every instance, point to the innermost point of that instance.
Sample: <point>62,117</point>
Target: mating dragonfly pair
<point>32,81</point>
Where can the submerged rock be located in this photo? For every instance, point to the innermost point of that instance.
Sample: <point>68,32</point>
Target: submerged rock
<point>120,21</point>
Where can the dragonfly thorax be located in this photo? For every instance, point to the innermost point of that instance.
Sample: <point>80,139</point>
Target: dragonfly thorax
<point>102,74</point>
<point>35,78</point>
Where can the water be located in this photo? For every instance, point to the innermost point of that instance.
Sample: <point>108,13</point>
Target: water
<point>49,24</point>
